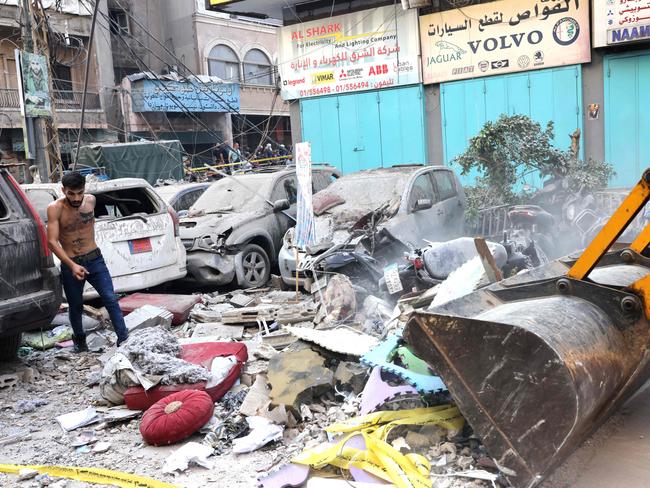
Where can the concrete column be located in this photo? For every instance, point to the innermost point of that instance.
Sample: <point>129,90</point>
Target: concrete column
<point>433,121</point>
<point>296,122</point>
<point>593,91</point>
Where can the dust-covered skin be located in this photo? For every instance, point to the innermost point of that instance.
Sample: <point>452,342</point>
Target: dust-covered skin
<point>71,227</point>
<point>76,225</point>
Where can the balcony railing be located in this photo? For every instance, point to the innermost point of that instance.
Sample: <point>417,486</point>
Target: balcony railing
<point>63,99</point>
<point>9,98</point>
<point>71,100</point>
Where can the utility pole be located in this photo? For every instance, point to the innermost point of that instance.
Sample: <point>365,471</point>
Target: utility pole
<point>41,131</point>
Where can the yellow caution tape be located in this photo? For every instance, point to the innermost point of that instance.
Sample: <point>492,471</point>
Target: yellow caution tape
<point>380,458</point>
<point>91,475</point>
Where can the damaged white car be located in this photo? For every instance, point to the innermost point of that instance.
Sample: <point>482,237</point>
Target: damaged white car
<point>135,229</point>
<point>235,229</point>
<point>382,212</point>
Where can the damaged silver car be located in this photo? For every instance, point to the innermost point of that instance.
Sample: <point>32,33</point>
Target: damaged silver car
<point>234,230</point>
<point>377,214</point>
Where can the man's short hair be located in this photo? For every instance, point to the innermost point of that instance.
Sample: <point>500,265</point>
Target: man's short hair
<point>73,180</point>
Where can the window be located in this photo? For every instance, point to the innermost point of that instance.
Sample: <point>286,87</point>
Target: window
<point>4,212</point>
<point>286,188</point>
<point>258,70</point>
<point>62,81</point>
<point>40,199</point>
<point>223,62</point>
<point>119,22</point>
<point>124,202</point>
<point>445,184</point>
<point>187,199</point>
<point>422,189</point>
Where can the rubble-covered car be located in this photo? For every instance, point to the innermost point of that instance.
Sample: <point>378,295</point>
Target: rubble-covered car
<point>181,196</point>
<point>30,293</point>
<point>402,205</point>
<point>235,229</point>
<point>135,229</point>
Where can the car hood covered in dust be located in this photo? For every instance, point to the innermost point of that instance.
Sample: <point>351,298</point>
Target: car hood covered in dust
<point>215,224</point>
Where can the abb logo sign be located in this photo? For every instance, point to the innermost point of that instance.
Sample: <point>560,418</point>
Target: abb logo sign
<point>380,69</point>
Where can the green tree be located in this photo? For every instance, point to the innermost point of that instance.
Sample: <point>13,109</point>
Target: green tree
<point>505,151</point>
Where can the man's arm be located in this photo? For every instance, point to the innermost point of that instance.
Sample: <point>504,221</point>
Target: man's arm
<point>53,215</point>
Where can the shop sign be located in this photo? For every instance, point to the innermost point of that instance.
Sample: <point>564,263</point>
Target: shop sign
<point>504,37</point>
<point>621,21</point>
<point>360,51</point>
<point>182,96</point>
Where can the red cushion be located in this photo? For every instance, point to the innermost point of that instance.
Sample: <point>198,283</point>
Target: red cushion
<point>137,398</point>
<point>176,417</point>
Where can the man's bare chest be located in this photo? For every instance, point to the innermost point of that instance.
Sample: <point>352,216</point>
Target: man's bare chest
<point>77,220</point>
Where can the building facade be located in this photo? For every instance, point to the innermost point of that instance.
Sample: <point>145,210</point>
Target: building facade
<point>170,40</point>
<point>580,65</point>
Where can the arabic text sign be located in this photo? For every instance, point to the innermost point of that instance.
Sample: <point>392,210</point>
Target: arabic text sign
<point>504,37</point>
<point>176,96</point>
<point>305,230</point>
<point>359,51</point>
<point>621,21</point>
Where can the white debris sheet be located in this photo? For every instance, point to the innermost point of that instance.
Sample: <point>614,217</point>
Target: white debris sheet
<point>460,282</point>
<point>341,340</point>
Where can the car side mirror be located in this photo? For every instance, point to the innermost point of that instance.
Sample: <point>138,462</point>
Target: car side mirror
<point>280,205</point>
<point>423,204</point>
<point>182,214</point>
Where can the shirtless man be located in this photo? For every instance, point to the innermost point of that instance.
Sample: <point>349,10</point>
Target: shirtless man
<point>71,236</point>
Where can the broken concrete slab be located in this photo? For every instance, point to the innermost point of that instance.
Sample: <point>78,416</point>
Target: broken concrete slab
<point>148,316</point>
<point>257,399</point>
<point>351,376</point>
<point>240,300</point>
<point>180,306</point>
<point>217,329</point>
<point>279,339</point>
<point>297,377</point>
<point>250,315</point>
<point>213,314</point>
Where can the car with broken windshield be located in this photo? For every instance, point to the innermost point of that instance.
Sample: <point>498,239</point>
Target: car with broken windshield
<point>135,229</point>
<point>234,230</point>
<point>370,218</point>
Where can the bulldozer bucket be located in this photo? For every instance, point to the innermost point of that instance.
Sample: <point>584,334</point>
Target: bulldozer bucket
<point>538,361</point>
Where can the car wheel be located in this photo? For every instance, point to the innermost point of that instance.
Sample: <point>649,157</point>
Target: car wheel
<point>9,347</point>
<point>253,266</point>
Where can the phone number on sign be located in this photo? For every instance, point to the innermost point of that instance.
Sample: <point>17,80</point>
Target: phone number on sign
<point>325,90</point>
<point>351,86</point>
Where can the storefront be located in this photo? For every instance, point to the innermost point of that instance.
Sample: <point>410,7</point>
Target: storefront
<point>357,79</point>
<point>507,57</point>
<point>627,123</point>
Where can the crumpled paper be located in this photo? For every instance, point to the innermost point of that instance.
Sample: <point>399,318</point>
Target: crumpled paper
<point>192,452</point>
<point>262,432</point>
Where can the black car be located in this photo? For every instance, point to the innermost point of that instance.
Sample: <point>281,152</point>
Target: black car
<point>30,289</point>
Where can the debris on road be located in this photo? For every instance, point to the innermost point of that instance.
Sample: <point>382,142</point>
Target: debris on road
<point>179,306</point>
<point>147,316</point>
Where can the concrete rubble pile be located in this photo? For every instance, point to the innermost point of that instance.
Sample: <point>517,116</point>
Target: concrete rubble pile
<point>327,389</point>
